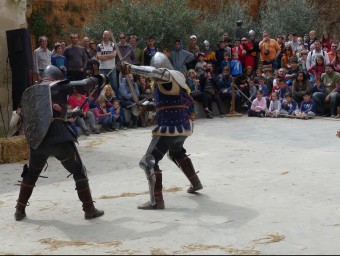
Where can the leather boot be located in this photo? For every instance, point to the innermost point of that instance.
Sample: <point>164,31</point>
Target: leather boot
<point>25,194</point>
<point>188,169</point>
<point>158,195</point>
<point>84,194</point>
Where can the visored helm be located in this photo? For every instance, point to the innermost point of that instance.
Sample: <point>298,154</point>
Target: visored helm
<point>251,33</point>
<point>52,73</point>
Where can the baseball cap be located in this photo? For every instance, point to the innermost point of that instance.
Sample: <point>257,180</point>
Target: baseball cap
<point>193,37</point>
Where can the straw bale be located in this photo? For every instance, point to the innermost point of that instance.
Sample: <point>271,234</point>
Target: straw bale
<point>13,149</point>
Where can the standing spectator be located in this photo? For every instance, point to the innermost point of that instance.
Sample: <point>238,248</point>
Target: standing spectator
<point>91,55</point>
<point>312,38</point>
<point>282,45</point>
<point>336,60</point>
<point>41,58</point>
<point>128,55</point>
<point>317,69</point>
<point>179,57</point>
<point>311,58</point>
<point>326,42</point>
<point>63,45</point>
<point>138,52</point>
<point>295,44</point>
<point>220,52</point>
<point>235,65</point>
<point>194,49</point>
<point>303,61</point>
<point>332,52</point>
<point>106,54</point>
<point>288,53</point>
<point>209,54</point>
<point>269,50</point>
<point>59,60</point>
<point>76,59</point>
<point>227,40</point>
<point>256,49</point>
<point>306,42</point>
<point>249,53</point>
<point>149,51</point>
<point>238,49</point>
<point>330,79</point>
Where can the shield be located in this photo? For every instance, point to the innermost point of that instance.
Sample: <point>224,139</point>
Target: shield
<point>37,113</point>
<point>160,60</point>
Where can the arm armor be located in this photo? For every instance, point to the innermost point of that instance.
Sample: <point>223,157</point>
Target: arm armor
<point>151,72</point>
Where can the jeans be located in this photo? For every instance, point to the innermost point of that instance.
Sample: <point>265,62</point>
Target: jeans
<point>112,78</point>
<point>319,98</point>
<point>89,119</point>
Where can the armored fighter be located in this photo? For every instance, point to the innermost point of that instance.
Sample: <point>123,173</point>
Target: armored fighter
<point>173,127</point>
<point>47,132</point>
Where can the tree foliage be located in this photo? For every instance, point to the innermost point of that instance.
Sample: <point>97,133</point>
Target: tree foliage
<point>168,20</point>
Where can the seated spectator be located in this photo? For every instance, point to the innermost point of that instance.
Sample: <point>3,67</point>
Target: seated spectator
<point>283,89</point>
<point>59,60</point>
<point>326,102</point>
<point>252,90</point>
<point>147,108</point>
<point>288,53</point>
<point>274,106</point>
<point>288,106</point>
<point>263,87</point>
<point>118,116</point>
<point>292,71</point>
<point>103,117</point>
<point>307,107</point>
<point>224,87</point>
<point>210,91</point>
<point>87,119</point>
<point>108,95</point>
<point>319,86</point>
<point>300,86</point>
<point>195,91</point>
<point>126,99</point>
<point>259,106</point>
<point>243,85</point>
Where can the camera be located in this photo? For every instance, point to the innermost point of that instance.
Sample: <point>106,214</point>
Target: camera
<point>266,52</point>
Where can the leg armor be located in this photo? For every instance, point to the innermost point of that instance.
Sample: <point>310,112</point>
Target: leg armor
<point>147,164</point>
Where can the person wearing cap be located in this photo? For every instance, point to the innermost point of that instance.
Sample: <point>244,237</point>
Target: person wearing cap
<point>194,49</point>
<point>330,79</point>
<point>295,44</point>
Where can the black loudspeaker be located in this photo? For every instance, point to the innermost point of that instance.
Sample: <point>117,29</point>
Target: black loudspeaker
<point>21,62</point>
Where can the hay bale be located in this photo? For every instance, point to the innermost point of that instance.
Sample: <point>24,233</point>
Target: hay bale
<point>13,149</point>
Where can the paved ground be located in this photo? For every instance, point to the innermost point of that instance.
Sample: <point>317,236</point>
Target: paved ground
<point>271,186</point>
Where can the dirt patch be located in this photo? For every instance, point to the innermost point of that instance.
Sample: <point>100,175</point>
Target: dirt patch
<point>271,238</point>
<point>124,252</point>
<point>55,244</point>
<point>167,190</point>
<point>284,173</point>
<point>157,251</point>
<point>226,249</point>
<point>92,143</point>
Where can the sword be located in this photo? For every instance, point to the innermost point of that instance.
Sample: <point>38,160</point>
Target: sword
<point>132,88</point>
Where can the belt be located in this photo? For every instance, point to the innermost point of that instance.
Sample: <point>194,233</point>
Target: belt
<point>168,107</point>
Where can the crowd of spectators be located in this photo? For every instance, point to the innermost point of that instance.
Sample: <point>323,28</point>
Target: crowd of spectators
<point>299,71</point>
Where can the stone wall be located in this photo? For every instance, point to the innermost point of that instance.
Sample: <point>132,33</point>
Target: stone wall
<point>12,16</point>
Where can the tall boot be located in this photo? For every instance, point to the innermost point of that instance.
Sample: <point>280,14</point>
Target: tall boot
<point>158,195</point>
<point>188,169</point>
<point>84,194</point>
<point>25,194</point>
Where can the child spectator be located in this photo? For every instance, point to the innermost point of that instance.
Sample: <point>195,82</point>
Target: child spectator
<point>319,86</point>
<point>118,116</point>
<point>307,107</point>
<point>59,60</point>
<point>317,69</point>
<point>235,66</point>
<point>226,61</point>
<point>103,117</point>
<point>259,106</point>
<point>283,88</point>
<point>252,90</point>
<point>108,95</point>
<point>200,65</point>
<point>263,87</point>
<point>300,86</point>
<point>288,106</point>
<point>274,106</point>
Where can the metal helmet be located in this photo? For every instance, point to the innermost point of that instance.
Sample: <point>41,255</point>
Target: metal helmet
<point>251,33</point>
<point>206,43</point>
<point>52,73</point>
<point>160,60</point>
<point>239,23</point>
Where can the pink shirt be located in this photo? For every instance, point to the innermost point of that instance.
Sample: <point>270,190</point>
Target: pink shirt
<point>257,105</point>
<point>74,102</point>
